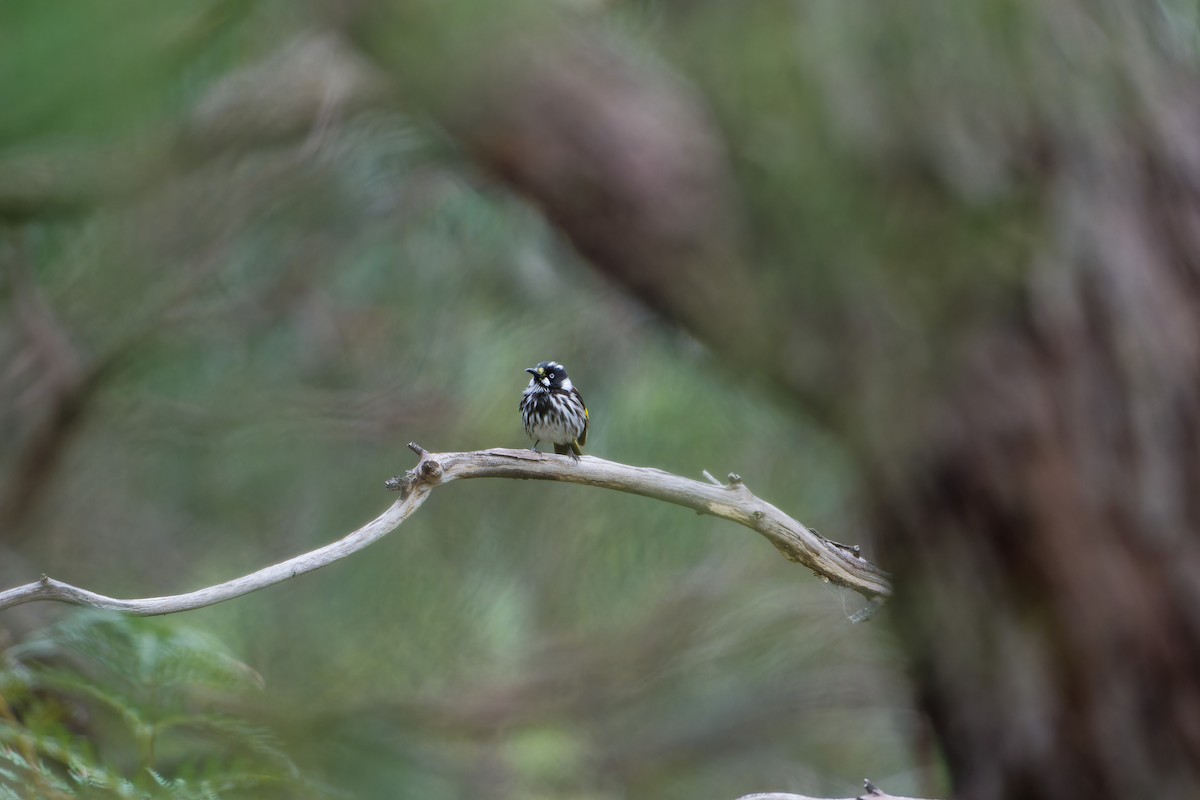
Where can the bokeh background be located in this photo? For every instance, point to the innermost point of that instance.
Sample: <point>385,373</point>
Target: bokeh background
<point>925,274</point>
<point>243,265</point>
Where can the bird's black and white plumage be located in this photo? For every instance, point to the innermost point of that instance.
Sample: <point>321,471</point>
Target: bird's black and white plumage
<point>553,410</point>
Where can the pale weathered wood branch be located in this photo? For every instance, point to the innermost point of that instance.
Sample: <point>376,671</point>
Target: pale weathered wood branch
<point>733,501</point>
<point>872,792</point>
<point>50,589</point>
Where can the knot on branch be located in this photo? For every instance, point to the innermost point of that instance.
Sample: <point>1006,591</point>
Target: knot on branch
<point>430,469</point>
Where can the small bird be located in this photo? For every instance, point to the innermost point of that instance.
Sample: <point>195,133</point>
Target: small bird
<point>552,409</point>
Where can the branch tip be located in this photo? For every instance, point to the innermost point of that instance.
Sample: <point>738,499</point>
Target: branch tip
<point>416,448</point>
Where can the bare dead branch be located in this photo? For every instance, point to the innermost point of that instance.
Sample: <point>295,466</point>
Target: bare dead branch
<point>732,501</point>
<point>871,792</point>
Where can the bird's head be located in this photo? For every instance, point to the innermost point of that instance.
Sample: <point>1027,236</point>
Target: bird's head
<point>549,375</point>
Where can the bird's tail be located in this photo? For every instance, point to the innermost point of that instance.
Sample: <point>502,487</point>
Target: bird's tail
<point>570,449</point>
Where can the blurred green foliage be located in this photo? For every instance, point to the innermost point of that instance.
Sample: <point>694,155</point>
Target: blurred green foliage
<point>246,342</point>
<point>105,706</point>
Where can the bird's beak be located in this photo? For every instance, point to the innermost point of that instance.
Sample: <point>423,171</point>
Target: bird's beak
<point>531,371</point>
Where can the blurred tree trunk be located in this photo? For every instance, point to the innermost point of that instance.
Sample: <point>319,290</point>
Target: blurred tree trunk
<point>1046,538</point>
<point>1037,492</point>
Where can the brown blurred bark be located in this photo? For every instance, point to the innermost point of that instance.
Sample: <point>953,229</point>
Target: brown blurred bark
<point>622,158</point>
<point>52,384</point>
<point>1044,520</point>
<point>1049,543</point>
<point>626,163</point>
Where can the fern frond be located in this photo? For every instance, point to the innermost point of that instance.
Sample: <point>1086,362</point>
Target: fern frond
<point>245,737</point>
